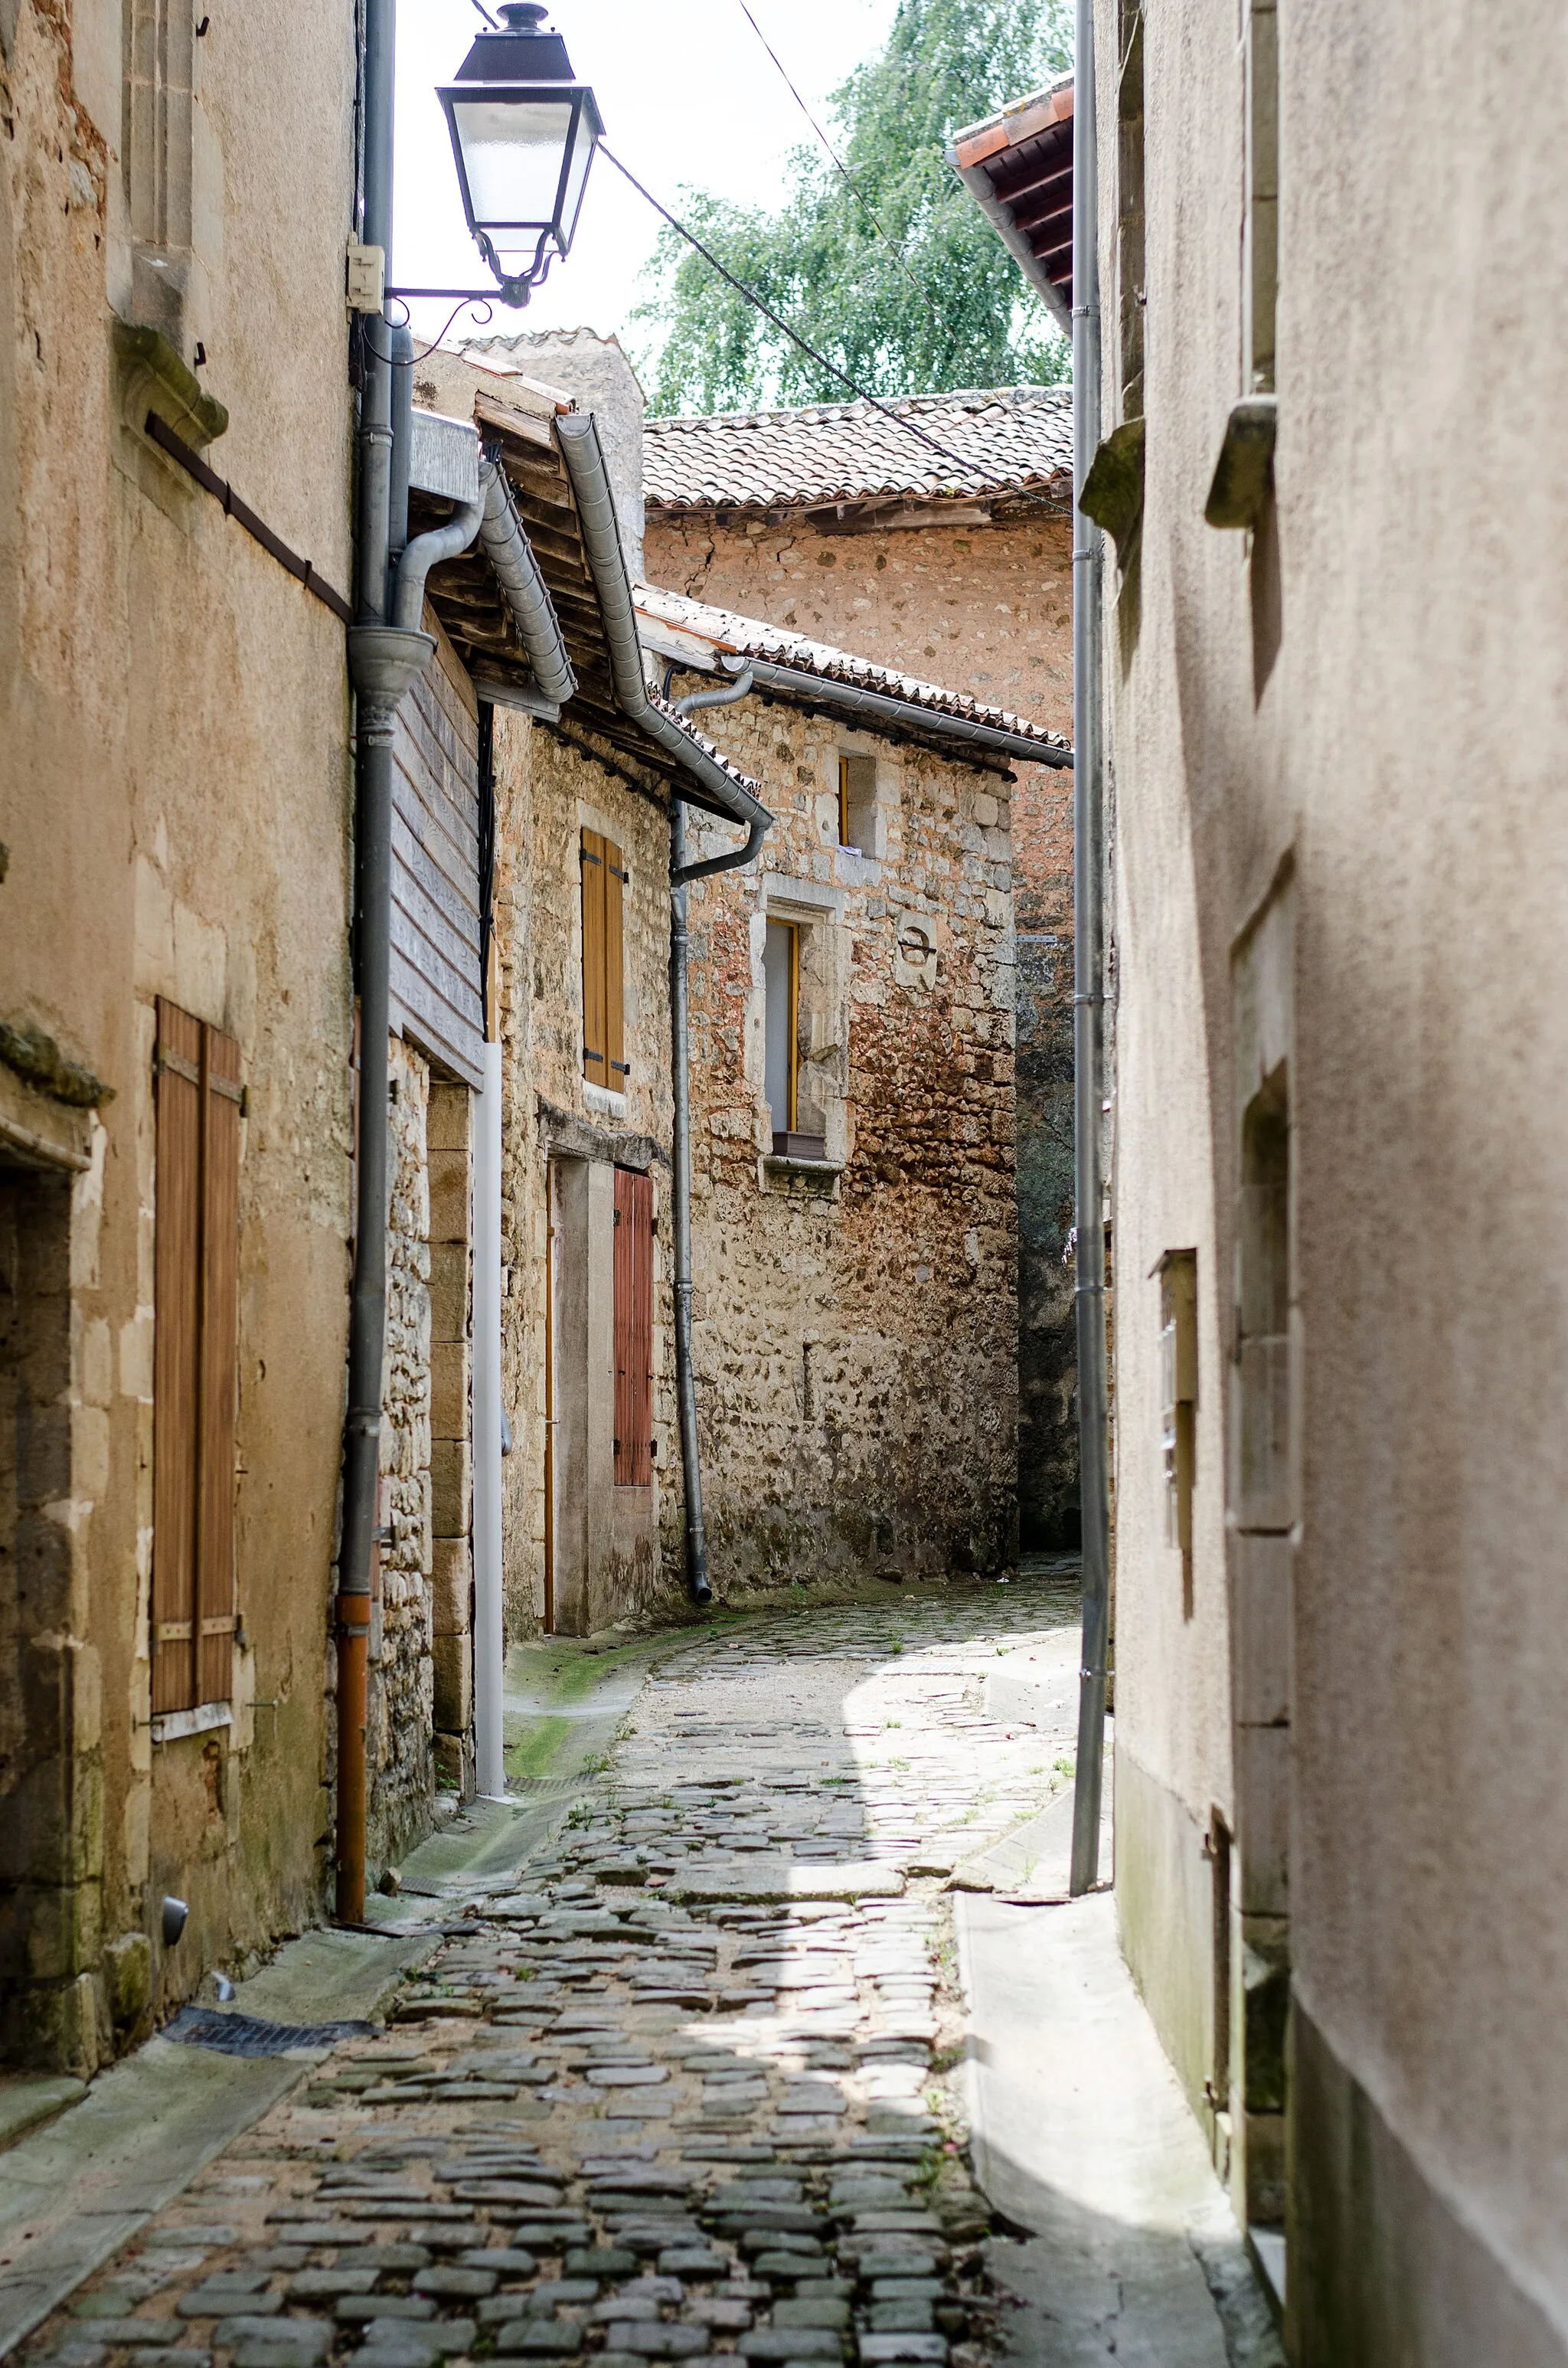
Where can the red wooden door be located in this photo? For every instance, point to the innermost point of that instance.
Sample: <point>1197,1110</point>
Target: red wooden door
<point>633,1329</point>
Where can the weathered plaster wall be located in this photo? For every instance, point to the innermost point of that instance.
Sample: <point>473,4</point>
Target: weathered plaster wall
<point>856,1340</point>
<point>1371,691</point>
<point>988,609</point>
<point>176,802</point>
<point>547,794</point>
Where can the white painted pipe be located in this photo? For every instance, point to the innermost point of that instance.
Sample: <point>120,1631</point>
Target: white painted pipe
<point>488,1631</point>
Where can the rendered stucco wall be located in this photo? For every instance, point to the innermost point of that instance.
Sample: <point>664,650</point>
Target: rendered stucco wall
<point>1400,751</point>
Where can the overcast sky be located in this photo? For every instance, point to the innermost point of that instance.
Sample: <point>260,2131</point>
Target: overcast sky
<point>687,94</point>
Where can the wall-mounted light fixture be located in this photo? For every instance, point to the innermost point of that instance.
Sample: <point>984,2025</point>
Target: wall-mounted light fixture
<point>523,132</point>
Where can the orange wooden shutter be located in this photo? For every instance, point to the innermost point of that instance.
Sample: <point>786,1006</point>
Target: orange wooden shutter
<point>595,1065</point>
<point>614,975</point>
<point>195,1353</point>
<point>218,1364</point>
<point>633,1329</point>
<point>176,1357</point>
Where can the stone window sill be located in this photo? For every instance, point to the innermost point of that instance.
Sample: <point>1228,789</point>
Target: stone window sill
<point>781,1174</point>
<point>170,1725</point>
<point>604,1102</point>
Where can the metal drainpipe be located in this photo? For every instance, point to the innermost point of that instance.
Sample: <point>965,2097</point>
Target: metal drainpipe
<point>373,738</point>
<point>1088,970</point>
<point>680,1159</point>
<point>385,655</point>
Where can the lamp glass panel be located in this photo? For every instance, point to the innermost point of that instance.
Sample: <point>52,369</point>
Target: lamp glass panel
<point>512,155</point>
<point>578,165</point>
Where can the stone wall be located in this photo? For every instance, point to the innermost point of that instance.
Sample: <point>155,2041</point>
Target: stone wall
<point>399,1728</point>
<point>450,1175</point>
<point>857,1321</point>
<point>987,610</point>
<point>547,792</point>
<point>175,715</point>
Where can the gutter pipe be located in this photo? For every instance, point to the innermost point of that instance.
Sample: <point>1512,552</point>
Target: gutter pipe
<point>601,541</point>
<point>1088,970</point>
<point>681,871</point>
<point>516,571</point>
<point>384,658</point>
<point>878,707</point>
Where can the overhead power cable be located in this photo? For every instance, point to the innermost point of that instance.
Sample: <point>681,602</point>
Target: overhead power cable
<point>969,467</point>
<point>848,177</point>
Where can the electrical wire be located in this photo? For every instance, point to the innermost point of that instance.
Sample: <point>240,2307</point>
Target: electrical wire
<point>845,173</point>
<point>968,467</point>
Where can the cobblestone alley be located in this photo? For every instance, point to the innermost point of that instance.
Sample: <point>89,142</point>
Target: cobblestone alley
<point>686,2083</point>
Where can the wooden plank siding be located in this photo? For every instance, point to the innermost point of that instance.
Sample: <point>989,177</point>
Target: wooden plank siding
<point>196,1353</point>
<point>436,990</point>
<point>633,1281</point>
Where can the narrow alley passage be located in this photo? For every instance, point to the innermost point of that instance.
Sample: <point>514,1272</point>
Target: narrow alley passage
<point>689,2082</point>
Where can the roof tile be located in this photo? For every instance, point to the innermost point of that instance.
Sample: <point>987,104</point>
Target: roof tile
<point>1002,440</point>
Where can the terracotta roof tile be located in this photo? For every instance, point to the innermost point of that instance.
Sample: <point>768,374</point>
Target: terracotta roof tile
<point>1003,440</point>
<point>671,620</point>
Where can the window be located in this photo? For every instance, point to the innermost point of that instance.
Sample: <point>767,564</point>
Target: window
<point>1129,209</point>
<point>857,804</point>
<point>604,1012</point>
<point>1177,1271</point>
<point>196,1350</point>
<point>782,983</point>
<point>633,1329</point>
<point>1261,254</point>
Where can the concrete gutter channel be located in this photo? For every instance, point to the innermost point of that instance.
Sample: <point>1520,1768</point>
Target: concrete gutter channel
<point>90,2165</point>
<point>1081,2134</point>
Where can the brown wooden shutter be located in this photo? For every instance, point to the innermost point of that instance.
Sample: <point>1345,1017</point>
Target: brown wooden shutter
<point>615,974</point>
<point>195,1357</point>
<point>633,1329</point>
<point>595,1065</point>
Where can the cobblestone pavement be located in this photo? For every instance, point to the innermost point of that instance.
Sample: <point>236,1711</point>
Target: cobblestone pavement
<point>674,2090</point>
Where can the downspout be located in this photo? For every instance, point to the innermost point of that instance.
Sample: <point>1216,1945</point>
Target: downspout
<point>680,1150</point>
<point>383,659</point>
<point>1088,969</point>
<point>488,1637</point>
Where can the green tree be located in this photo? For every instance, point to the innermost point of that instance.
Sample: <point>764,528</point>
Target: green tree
<point>946,307</point>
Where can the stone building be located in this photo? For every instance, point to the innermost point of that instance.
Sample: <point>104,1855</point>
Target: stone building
<point>841,523</point>
<point>1336,708</point>
<point>853,1115</point>
<point>174,996</point>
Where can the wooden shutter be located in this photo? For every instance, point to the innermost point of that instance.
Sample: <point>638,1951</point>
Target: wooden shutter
<point>195,1356</point>
<point>633,1329</point>
<point>615,974</point>
<point>604,990</point>
<point>596,1067</point>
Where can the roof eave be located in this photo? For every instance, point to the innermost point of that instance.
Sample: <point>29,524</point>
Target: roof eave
<point>977,181</point>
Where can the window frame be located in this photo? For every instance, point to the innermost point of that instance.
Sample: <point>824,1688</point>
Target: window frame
<point>605,879</point>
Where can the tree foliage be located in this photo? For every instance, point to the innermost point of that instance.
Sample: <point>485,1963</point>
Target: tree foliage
<point>970,319</point>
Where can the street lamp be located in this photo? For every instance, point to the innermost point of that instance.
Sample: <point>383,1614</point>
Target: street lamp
<point>523,134</point>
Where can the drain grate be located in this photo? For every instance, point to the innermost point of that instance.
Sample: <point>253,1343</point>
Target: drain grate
<point>245,2034</point>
